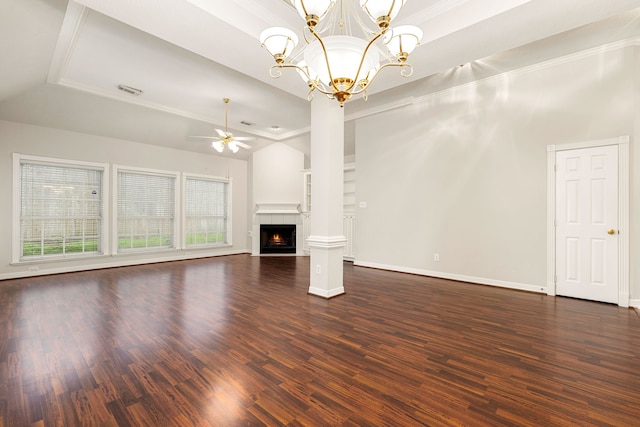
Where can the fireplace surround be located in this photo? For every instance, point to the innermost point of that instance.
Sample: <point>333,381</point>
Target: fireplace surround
<point>277,238</point>
<point>267,219</point>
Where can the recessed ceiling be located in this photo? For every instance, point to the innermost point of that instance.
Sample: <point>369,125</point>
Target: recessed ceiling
<point>187,55</point>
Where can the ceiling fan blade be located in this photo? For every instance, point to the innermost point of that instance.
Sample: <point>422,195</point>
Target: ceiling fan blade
<point>243,145</point>
<point>222,133</point>
<point>243,138</point>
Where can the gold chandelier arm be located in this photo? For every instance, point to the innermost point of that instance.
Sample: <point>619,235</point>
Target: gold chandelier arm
<point>406,72</point>
<point>278,67</point>
<point>364,55</point>
<point>304,8</point>
<point>275,71</point>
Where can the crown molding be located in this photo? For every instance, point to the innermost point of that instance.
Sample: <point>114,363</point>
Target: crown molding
<point>534,68</point>
<point>74,19</point>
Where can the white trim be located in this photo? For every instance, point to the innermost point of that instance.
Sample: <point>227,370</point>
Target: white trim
<point>76,14</point>
<point>635,303</point>
<point>176,209</point>
<point>175,256</point>
<point>183,209</point>
<point>326,242</point>
<point>230,212</point>
<point>457,277</point>
<point>55,161</point>
<point>72,24</point>
<point>178,112</point>
<point>534,68</point>
<point>74,19</point>
<point>17,205</point>
<point>623,208</point>
<point>403,102</point>
<point>18,159</point>
<point>146,171</point>
<point>439,8</point>
<point>623,221</point>
<point>277,208</point>
<point>206,177</point>
<point>324,293</point>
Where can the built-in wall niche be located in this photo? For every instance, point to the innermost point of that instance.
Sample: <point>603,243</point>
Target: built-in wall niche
<point>348,206</point>
<point>349,189</point>
<point>349,194</point>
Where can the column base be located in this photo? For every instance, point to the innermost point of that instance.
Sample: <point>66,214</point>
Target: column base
<point>326,266</point>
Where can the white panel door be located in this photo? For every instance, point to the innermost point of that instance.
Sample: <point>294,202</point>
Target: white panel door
<point>587,223</point>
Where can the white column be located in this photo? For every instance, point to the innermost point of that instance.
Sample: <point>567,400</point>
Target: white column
<point>326,241</point>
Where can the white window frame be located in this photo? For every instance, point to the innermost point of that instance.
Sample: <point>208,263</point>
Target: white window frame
<point>176,217</point>
<point>228,213</point>
<point>18,160</point>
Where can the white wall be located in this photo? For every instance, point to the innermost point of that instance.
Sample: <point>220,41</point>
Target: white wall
<point>462,173</point>
<point>277,174</point>
<point>47,142</point>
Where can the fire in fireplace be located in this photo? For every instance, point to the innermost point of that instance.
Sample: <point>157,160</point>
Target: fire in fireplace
<point>277,238</point>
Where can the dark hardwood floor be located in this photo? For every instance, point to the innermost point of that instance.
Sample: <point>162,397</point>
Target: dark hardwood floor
<point>237,341</point>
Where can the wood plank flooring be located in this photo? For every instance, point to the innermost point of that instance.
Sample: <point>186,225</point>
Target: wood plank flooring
<point>237,341</point>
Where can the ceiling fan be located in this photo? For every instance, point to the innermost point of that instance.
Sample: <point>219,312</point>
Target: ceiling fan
<point>226,138</point>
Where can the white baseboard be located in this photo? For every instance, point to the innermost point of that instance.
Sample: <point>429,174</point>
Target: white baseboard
<point>635,303</point>
<point>324,293</point>
<point>458,277</point>
<point>115,261</point>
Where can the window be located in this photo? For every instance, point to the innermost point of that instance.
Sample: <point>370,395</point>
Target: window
<point>60,208</point>
<point>146,206</point>
<point>206,219</point>
<point>64,209</point>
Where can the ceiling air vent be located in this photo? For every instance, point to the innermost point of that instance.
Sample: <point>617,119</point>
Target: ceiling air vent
<point>130,90</point>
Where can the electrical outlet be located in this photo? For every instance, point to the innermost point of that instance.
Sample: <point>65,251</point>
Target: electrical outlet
<point>318,269</point>
<point>436,257</point>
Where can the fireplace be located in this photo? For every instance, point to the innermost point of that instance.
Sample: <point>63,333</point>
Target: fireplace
<point>283,219</point>
<point>277,238</point>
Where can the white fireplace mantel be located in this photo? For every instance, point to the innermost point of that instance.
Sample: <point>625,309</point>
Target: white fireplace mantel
<point>278,208</point>
<point>277,213</point>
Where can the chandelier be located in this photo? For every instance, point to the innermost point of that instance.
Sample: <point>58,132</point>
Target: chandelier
<point>342,54</point>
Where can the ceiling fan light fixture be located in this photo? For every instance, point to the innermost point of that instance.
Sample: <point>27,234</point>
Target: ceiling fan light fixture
<point>224,138</point>
<point>218,146</point>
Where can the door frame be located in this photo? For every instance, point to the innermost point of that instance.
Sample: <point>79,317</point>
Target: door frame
<point>623,212</point>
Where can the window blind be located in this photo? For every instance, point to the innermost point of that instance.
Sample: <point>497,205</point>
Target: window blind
<point>61,210</point>
<point>145,211</point>
<point>206,219</point>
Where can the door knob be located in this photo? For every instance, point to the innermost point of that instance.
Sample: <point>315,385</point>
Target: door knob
<point>612,231</point>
